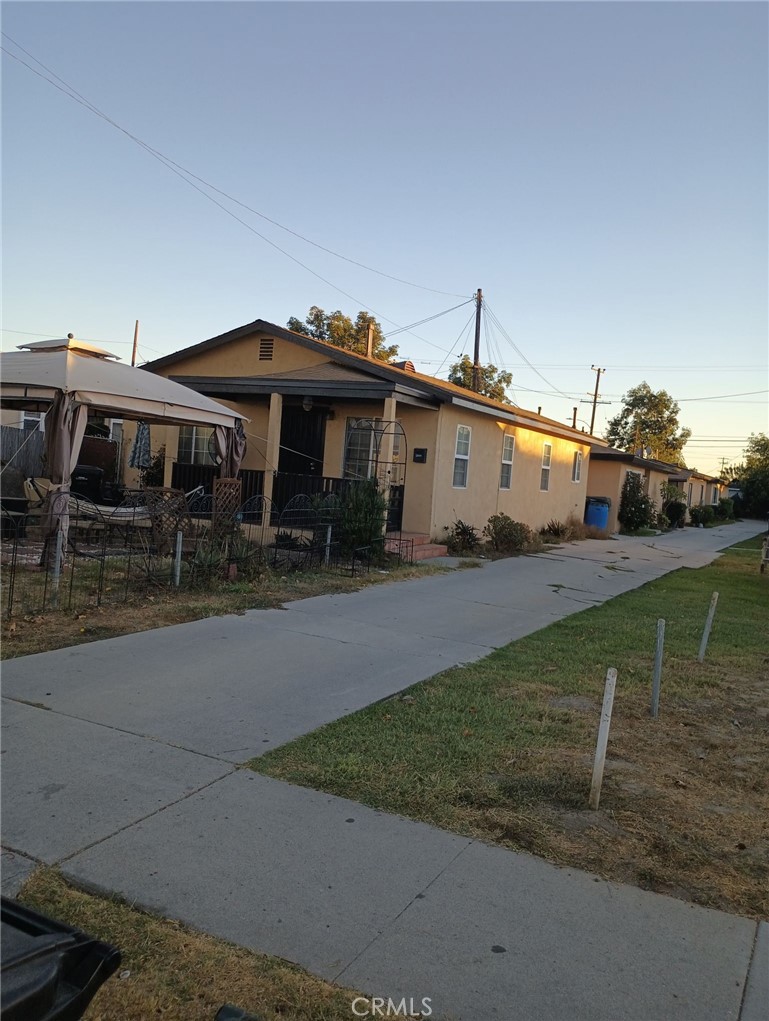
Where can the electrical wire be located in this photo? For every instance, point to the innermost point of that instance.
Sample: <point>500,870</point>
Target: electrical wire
<point>459,338</point>
<point>720,397</point>
<point>73,94</point>
<point>393,333</point>
<point>518,351</point>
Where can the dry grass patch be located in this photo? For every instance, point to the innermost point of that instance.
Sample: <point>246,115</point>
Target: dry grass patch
<point>502,749</point>
<point>23,636</point>
<point>179,974</point>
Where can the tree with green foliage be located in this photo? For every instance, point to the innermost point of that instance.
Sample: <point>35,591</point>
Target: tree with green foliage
<point>338,329</point>
<point>754,477</point>
<point>493,382</point>
<point>649,422</point>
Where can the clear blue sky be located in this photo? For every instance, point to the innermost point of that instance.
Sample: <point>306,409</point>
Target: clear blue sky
<point>599,169</point>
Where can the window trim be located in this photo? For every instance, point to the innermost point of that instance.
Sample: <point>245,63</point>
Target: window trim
<point>547,456</point>
<point>207,460</point>
<point>28,417</point>
<point>462,457</point>
<point>507,463</point>
<point>576,467</point>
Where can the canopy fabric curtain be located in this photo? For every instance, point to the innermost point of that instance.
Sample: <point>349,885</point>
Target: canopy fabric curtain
<point>65,423</point>
<point>230,448</point>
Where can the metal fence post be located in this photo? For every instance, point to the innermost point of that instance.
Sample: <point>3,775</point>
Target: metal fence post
<point>178,560</point>
<point>56,577</point>
<point>327,557</point>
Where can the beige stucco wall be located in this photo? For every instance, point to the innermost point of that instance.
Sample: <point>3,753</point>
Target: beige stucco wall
<point>482,497</point>
<point>421,428</point>
<point>241,358</point>
<point>12,417</point>
<point>606,478</point>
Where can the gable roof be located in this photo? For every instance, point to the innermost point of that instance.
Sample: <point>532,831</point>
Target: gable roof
<point>444,391</point>
<point>626,457</point>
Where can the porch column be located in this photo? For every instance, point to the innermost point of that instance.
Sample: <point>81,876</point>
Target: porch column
<point>389,413</point>
<point>272,451</point>
<point>386,449</point>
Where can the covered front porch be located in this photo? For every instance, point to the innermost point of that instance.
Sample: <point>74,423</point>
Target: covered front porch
<point>317,433</point>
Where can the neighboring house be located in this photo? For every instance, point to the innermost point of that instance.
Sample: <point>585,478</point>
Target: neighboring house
<point>609,468</point>
<point>320,415</point>
<point>699,489</point>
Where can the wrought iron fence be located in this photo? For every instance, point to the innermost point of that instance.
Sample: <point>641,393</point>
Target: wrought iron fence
<point>158,540</point>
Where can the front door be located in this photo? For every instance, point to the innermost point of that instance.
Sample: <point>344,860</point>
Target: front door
<point>302,441</point>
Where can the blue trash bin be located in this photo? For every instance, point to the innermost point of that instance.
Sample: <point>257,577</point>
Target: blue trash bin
<point>597,511</point>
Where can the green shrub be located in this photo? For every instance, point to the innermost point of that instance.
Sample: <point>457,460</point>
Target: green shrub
<point>154,473</point>
<point>663,522</point>
<point>557,529</point>
<point>702,515</point>
<point>673,505</point>
<point>462,538</point>
<point>506,535</point>
<point>675,513</point>
<point>362,515</point>
<point>725,509</point>
<point>636,509</point>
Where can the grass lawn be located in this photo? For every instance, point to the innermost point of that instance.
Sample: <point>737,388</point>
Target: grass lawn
<point>22,636</point>
<point>180,974</point>
<point>502,750</point>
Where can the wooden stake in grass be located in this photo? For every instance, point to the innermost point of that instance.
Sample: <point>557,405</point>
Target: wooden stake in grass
<point>658,669</point>
<point>603,737</point>
<point>708,626</point>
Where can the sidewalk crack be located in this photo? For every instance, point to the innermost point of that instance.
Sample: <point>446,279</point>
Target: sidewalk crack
<point>144,818</point>
<point>417,896</point>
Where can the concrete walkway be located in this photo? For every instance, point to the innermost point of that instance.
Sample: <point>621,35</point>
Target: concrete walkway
<point>124,770</point>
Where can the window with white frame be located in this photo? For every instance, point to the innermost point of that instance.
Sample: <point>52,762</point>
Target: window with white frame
<point>576,468</point>
<point>544,475</point>
<point>32,421</point>
<point>194,445</point>
<point>506,472</point>
<point>461,457</point>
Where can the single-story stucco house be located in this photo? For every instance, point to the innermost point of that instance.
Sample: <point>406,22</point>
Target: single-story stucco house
<point>608,469</point>
<point>318,414</point>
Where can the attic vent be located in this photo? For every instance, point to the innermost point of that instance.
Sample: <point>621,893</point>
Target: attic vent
<point>265,350</point>
<point>407,366</point>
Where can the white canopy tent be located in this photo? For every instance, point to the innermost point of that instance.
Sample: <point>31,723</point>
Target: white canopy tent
<point>67,377</point>
<point>36,372</point>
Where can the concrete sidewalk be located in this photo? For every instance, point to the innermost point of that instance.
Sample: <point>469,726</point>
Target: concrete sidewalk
<point>123,770</point>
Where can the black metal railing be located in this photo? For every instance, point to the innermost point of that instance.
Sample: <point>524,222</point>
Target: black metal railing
<point>286,486</point>
<point>189,476</point>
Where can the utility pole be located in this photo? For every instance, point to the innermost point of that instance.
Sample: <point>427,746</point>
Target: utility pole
<point>477,354</point>
<point>597,372</point>
<point>136,343</point>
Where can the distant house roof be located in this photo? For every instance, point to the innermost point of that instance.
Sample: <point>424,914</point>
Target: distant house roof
<point>404,382</point>
<point>625,457</point>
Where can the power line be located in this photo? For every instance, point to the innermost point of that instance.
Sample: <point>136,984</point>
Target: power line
<point>170,165</point>
<point>402,329</point>
<point>520,353</point>
<point>719,397</point>
<point>464,330</point>
<point>77,97</point>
